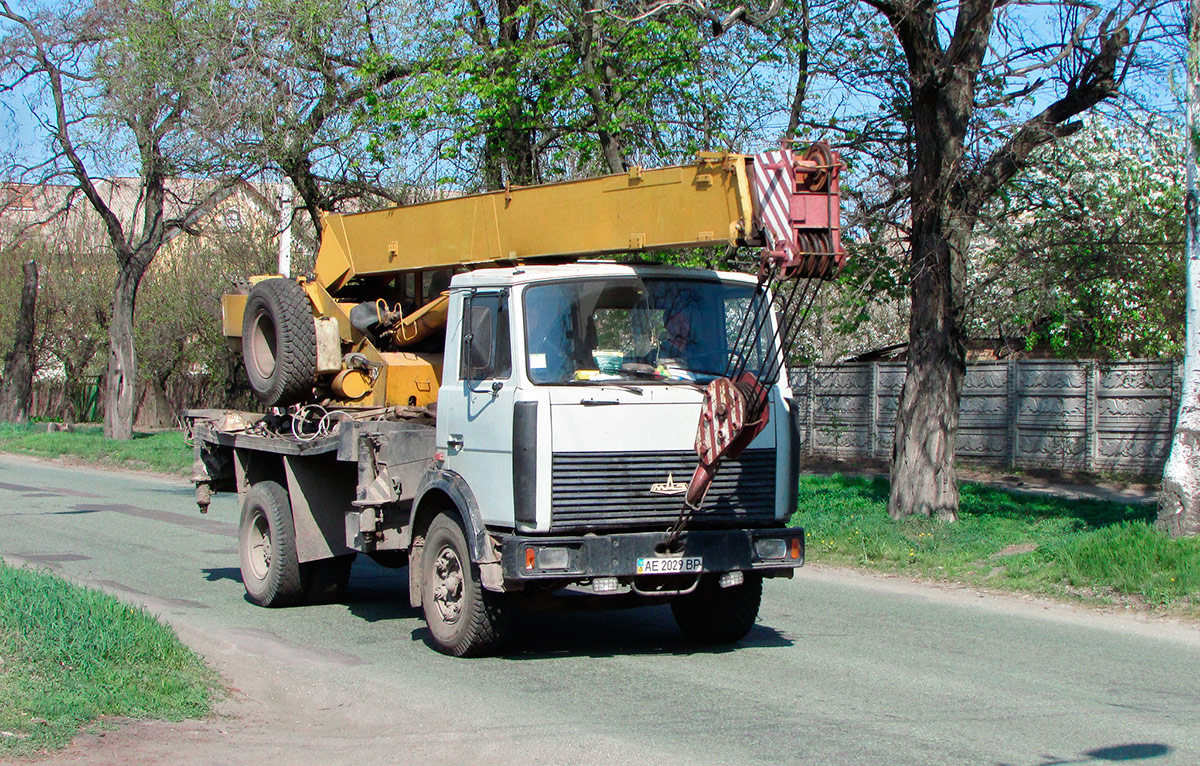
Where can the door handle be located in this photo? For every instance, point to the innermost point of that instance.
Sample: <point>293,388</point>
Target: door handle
<point>597,402</point>
<point>454,442</point>
<point>493,389</point>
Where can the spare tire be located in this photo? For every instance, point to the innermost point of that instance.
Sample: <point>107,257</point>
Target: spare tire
<point>279,342</point>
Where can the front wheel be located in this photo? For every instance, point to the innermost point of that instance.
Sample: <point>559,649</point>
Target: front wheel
<point>464,619</point>
<point>267,547</point>
<point>715,615</point>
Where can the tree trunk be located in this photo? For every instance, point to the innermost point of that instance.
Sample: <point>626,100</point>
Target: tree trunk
<point>515,137</point>
<point>316,203</point>
<point>508,156</point>
<point>519,158</point>
<point>1179,500</point>
<point>17,392</point>
<point>923,478</point>
<point>598,77</point>
<point>801,91</point>
<point>947,194</point>
<point>163,414</point>
<point>72,393</point>
<point>492,164</point>
<point>120,381</point>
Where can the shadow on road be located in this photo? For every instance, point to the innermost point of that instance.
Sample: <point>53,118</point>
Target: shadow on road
<point>619,633</point>
<point>182,490</point>
<point>216,574</point>
<point>640,631</point>
<point>378,594</point>
<point>1133,751</point>
<point>381,594</point>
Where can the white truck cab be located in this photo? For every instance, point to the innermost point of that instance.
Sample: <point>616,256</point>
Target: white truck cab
<point>575,391</point>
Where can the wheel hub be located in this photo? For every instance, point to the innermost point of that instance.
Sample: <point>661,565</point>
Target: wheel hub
<point>448,584</point>
<point>260,547</point>
<point>263,345</point>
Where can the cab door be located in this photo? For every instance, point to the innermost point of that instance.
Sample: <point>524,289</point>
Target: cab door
<point>475,404</point>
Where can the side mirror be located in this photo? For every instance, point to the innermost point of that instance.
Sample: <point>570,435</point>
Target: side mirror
<point>484,352</point>
<point>477,340</point>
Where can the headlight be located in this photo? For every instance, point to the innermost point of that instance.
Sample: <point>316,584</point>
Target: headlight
<point>553,558</point>
<point>770,548</point>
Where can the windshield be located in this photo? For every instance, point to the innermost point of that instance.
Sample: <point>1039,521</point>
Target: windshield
<point>635,329</point>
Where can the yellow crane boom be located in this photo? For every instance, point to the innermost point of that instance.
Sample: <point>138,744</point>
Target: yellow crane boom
<point>665,208</point>
<point>341,334</point>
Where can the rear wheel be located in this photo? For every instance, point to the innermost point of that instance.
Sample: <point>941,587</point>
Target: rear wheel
<point>267,547</point>
<point>715,615</point>
<point>464,619</point>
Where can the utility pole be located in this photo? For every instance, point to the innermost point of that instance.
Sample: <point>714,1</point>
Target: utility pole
<point>1179,500</point>
<point>285,227</point>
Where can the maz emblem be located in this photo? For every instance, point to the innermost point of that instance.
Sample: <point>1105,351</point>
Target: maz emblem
<point>670,487</point>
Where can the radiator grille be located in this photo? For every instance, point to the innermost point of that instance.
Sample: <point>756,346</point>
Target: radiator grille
<point>600,490</point>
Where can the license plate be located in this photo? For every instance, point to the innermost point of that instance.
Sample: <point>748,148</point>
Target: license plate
<point>670,565</point>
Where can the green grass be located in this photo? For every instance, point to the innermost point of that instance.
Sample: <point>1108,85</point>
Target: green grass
<point>1103,552</point>
<point>165,451</point>
<point>71,655</point>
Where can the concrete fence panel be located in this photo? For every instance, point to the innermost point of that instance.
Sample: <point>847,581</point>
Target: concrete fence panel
<point>1072,415</point>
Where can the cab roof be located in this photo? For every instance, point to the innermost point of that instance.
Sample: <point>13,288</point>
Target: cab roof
<point>510,276</point>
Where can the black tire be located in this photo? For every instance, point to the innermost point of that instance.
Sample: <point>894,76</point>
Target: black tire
<point>279,343</point>
<point>267,547</point>
<point>464,619</point>
<point>715,615</point>
<point>325,580</point>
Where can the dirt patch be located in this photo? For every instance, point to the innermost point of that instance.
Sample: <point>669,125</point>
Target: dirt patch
<point>1013,550</point>
<point>129,741</point>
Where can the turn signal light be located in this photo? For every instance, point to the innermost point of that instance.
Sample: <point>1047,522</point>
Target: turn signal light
<point>530,558</point>
<point>794,548</point>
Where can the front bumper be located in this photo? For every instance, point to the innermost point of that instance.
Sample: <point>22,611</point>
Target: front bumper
<point>616,555</point>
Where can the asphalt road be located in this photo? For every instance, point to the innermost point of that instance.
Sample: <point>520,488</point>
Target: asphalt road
<point>841,668</point>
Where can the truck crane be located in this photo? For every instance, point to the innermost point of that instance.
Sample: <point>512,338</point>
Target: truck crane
<point>464,388</point>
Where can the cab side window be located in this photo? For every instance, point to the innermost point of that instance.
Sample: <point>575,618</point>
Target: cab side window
<point>486,352</point>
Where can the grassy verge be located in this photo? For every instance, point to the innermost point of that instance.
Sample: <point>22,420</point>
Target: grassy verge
<point>164,451</point>
<point>69,655</point>
<point>1103,552</point>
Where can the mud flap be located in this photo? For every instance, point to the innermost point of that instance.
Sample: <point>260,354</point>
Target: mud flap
<point>414,574</point>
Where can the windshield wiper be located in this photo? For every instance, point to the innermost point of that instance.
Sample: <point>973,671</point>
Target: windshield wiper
<point>626,386</point>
